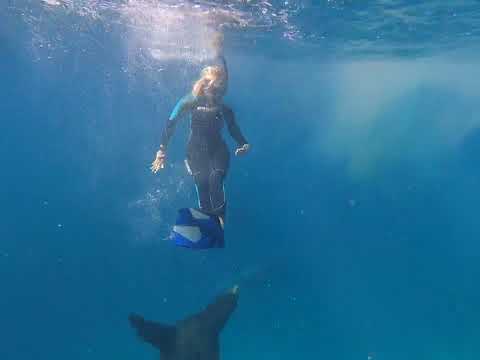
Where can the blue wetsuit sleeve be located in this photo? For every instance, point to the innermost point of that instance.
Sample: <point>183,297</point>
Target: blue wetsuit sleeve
<point>184,105</point>
<point>232,126</point>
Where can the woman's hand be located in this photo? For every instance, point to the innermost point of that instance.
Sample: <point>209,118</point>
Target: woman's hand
<point>159,162</point>
<point>242,149</point>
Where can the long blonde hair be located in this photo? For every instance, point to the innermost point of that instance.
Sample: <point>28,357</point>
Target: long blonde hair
<point>211,76</point>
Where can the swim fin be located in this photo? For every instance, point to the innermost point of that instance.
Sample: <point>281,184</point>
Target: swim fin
<point>195,229</point>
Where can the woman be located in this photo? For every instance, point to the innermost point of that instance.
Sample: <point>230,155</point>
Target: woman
<point>207,154</point>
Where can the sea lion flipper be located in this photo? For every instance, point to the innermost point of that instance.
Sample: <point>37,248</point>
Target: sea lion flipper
<point>217,313</point>
<point>159,335</point>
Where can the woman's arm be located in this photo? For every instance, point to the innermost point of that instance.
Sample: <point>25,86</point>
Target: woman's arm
<point>235,132</point>
<point>233,127</point>
<point>183,106</point>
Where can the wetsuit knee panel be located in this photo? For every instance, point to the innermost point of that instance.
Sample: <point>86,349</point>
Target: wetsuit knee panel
<point>201,178</point>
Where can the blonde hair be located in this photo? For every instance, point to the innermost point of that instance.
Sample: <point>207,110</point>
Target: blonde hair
<point>211,76</point>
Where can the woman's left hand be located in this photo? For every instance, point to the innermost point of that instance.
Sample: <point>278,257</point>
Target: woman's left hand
<point>242,149</point>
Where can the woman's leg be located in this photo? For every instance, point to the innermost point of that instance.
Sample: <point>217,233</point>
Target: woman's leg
<point>219,169</point>
<point>203,191</point>
<point>198,164</point>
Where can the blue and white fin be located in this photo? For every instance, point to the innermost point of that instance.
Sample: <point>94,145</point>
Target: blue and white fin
<point>197,230</point>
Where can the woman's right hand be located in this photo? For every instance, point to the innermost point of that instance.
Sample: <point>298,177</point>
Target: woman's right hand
<point>242,150</point>
<point>159,162</point>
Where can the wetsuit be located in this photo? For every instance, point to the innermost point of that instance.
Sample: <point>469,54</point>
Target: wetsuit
<point>207,154</point>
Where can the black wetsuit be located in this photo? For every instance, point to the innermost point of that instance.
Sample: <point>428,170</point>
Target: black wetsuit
<point>207,154</point>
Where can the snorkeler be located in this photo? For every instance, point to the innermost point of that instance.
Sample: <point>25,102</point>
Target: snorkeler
<point>207,154</point>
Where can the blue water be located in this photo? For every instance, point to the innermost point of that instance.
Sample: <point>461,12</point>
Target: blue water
<point>353,223</point>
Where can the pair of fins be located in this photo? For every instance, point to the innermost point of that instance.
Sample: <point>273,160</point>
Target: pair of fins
<point>196,229</point>
<point>193,338</point>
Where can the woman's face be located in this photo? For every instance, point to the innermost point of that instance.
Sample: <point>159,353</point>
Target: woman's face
<point>213,92</point>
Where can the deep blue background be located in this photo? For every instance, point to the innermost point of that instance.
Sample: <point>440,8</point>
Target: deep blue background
<point>393,272</point>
